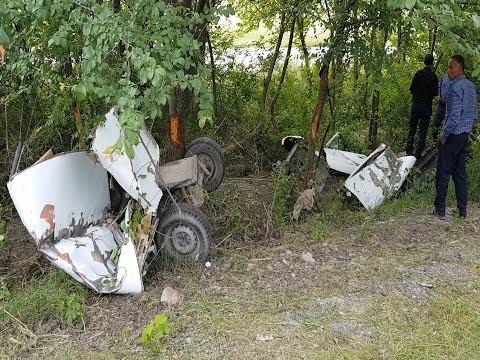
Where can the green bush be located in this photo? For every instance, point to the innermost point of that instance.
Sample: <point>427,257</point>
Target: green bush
<point>473,172</point>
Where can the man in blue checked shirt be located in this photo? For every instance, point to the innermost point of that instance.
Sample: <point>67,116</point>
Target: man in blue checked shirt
<point>460,115</point>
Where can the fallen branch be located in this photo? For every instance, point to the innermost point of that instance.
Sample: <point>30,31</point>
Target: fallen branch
<point>236,145</point>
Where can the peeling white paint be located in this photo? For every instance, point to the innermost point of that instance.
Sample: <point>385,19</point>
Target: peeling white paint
<point>136,176</point>
<point>379,176</point>
<point>63,202</point>
<point>339,160</point>
<point>343,161</point>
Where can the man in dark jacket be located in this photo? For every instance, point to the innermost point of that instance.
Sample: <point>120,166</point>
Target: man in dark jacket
<point>424,88</point>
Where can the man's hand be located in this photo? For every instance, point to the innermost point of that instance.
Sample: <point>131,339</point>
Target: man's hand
<point>437,98</point>
<point>442,140</point>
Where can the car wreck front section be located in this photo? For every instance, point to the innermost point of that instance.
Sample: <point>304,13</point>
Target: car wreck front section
<point>64,202</point>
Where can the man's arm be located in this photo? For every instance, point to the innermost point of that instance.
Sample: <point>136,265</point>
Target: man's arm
<point>413,85</point>
<point>455,104</point>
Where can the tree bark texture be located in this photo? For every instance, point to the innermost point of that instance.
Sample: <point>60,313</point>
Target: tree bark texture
<point>179,111</point>
<point>268,79</point>
<point>180,105</point>
<point>271,108</point>
<point>214,75</point>
<point>315,123</point>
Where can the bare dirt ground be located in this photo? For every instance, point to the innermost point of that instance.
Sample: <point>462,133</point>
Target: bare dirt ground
<point>402,288</point>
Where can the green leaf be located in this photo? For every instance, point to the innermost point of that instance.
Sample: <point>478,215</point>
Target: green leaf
<point>476,21</point>
<point>410,4</point>
<point>4,39</point>
<point>132,136</point>
<point>476,72</point>
<point>129,149</point>
<point>161,319</point>
<point>80,92</point>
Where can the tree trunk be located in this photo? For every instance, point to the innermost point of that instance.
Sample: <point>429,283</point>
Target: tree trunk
<point>179,111</point>
<point>301,35</point>
<point>356,62</point>
<point>315,123</point>
<point>214,81</point>
<point>117,6</point>
<point>400,37</point>
<point>271,108</point>
<point>333,90</point>
<point>180,105</point>
<point>373,126</point>
<point>434,38</point>
<point>268,79</point>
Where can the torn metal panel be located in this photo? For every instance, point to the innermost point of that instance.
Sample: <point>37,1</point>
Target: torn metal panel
<point>343,161</point>
<point>59,196</point>
<point>379,176</point>
<point>136,176</point>
<point>63,202</point>
<point>179,173</point>
<point>339,160</point>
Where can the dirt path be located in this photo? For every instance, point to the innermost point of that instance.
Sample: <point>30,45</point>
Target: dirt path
<point>404,288</point>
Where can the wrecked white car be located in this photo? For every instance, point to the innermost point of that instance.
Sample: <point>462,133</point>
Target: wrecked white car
<point>72,207</point>
<point>372,179</point>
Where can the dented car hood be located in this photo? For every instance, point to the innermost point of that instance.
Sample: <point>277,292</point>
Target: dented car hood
<point>64,202</point>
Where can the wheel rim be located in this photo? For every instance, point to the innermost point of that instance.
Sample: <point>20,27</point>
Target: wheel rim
<point>183,239</point>
<point>209,164</point>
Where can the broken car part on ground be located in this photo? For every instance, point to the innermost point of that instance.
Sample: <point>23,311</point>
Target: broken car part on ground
<point>66,202</point>
<point>372,179</point>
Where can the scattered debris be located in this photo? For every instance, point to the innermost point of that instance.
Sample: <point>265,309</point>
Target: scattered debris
<point>373,178</point>
<point>170,296</point>
<point>264,337</point>
<point>379,176</point>
<point>308,257</point>
<point>306,201</point>
<point>352,329</point>
<point>429,286</point>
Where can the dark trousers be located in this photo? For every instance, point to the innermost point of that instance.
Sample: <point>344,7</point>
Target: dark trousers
<point>451,162</point>
<point>420,115</point>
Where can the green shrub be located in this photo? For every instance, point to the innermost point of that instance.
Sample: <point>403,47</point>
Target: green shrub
<point>154,332</point>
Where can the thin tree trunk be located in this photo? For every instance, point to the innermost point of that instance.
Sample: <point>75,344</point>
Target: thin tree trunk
<point>356,62</point>
<point>301,35</point>
<point>306,55</point>
<point>117,6</point>
<point>214,81</point>
<point>434,38</point>
<point>400,37</point>
<point>268,79</point>
<point>271,108</point>
<point>315,123</point>
<point>373,126</point>
<point>68,71</point>
<point>333,89</point>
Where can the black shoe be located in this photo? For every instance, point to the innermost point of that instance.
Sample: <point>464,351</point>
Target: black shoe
<point>438,215</point>
<point>457,213</point>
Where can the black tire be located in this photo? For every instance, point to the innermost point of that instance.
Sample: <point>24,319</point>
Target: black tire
<point>183,236</point>
<point>211,155</point>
